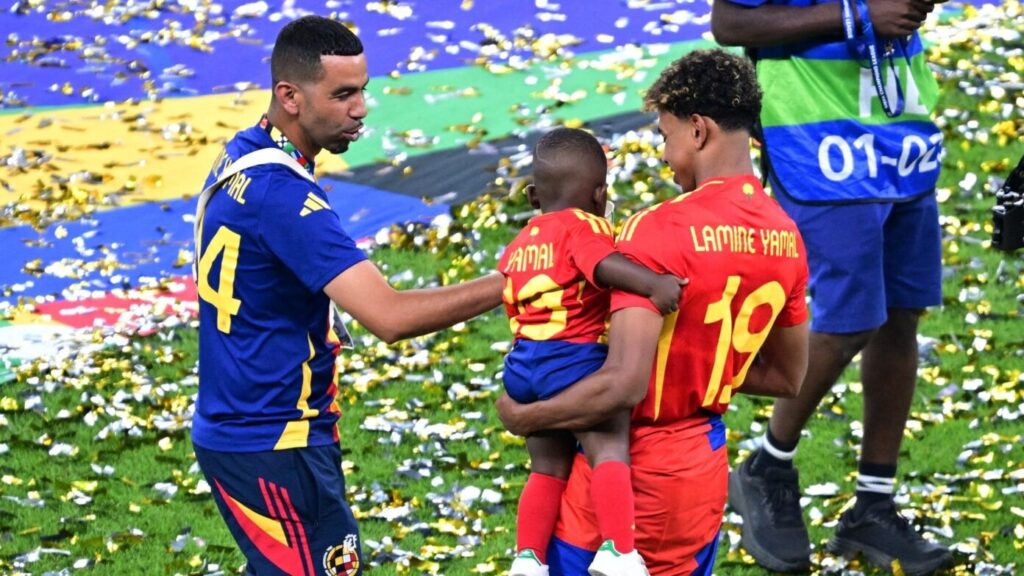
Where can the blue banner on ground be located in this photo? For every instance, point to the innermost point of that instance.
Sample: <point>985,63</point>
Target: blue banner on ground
<point>66,53</point>
<point>123,248</point>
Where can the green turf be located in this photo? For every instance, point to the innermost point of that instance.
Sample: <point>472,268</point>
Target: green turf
<point>962,457</point>
<point>6,364</point>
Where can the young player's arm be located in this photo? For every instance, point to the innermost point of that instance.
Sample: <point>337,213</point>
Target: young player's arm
<point>664,290</point>
<point>392,315</point>
<point>781,365</point>
<point>756,24</point>
<point>619,385</point>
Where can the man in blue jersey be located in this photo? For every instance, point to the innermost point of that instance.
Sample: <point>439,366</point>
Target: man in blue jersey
<point>853,157</point>
<point>272,256</point>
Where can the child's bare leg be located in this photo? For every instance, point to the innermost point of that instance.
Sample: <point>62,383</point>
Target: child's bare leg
<point>551,455</point>
<point>551,452</point>
<point>608,442</point>
<point>611,490</point>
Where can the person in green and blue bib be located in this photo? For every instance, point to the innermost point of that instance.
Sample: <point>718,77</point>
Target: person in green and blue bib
<point>853,156</point>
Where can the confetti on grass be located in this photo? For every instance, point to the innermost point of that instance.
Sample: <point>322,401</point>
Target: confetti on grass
<point>431,474</point>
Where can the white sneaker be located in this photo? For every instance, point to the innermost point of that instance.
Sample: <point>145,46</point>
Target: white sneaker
<point>611,562</point>
<point>527,564</point>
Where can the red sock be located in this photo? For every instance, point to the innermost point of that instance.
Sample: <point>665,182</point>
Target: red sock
<point>538,513</point>
<point>611,493</point>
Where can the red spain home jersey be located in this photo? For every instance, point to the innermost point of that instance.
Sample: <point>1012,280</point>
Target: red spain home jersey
<point>748,271</point>
<point>550,291</point>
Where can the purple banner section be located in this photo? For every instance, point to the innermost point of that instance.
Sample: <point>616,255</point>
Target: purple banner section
<point>65,52</point>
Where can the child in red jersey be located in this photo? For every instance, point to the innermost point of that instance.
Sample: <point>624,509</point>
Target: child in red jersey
<point>558,273</point>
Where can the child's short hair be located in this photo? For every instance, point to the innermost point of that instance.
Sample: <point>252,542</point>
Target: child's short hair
<point>579,144</point>
<point>712,83</point>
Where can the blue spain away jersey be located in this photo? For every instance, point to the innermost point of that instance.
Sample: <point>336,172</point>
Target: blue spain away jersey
<point>269,244</point>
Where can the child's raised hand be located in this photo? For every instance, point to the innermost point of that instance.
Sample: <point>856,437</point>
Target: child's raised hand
<point>667,292</point>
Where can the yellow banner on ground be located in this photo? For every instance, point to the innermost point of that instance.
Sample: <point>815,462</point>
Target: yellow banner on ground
<point>67,162</point>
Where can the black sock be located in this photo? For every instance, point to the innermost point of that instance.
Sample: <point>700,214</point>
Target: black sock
<point>875,483</point>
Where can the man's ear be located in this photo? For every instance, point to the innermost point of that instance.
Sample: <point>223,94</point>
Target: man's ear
<point>288,96</point>
<point>700,128</point>
<point>531,195</point>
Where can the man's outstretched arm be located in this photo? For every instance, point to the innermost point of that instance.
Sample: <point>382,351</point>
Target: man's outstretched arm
<point>619,385</point>
<point>392,315</point>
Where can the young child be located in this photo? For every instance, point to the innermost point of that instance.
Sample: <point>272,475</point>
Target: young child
<point>558,272</point>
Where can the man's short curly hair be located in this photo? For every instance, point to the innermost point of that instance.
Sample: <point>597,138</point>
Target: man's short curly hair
<point>712,83</point>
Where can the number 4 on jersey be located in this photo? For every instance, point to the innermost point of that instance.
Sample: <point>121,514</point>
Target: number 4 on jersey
<point>223,298</point>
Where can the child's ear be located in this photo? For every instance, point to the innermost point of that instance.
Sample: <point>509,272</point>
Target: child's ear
<point>531,195</point>
<point>601,194</point>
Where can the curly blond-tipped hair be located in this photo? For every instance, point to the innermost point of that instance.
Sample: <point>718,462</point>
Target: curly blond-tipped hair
<point>712,83</point>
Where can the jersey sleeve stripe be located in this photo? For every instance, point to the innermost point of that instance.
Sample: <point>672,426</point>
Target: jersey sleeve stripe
<point>631,225</point>
<point>624,233</point>
<point>604,227</point>
<point>588,219</point>
<point>317,200</point>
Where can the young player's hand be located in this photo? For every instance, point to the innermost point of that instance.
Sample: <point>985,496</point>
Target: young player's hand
<point>667,292</point>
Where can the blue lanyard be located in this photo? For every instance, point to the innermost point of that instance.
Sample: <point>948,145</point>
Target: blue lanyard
<point>866,42</point>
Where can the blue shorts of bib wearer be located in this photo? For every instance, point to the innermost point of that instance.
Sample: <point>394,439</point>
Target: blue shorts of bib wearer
<point>286,509</point>
<point>867,258</point>
<point>537,370</point>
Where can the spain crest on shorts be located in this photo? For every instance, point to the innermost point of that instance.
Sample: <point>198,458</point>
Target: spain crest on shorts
<point>343,560</point>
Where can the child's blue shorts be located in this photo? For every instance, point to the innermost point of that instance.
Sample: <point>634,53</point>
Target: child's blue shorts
<point>537,370</point>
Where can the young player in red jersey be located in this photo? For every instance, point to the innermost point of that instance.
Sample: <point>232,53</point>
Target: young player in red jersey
<point>558,272</point>
<point>741,327</point>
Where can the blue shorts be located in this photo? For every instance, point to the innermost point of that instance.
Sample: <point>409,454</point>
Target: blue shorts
<point>286,509</point>
<point>867,258</point>
<point>537,370</point>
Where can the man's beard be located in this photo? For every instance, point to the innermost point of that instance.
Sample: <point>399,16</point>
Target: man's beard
<point>337,147</point>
